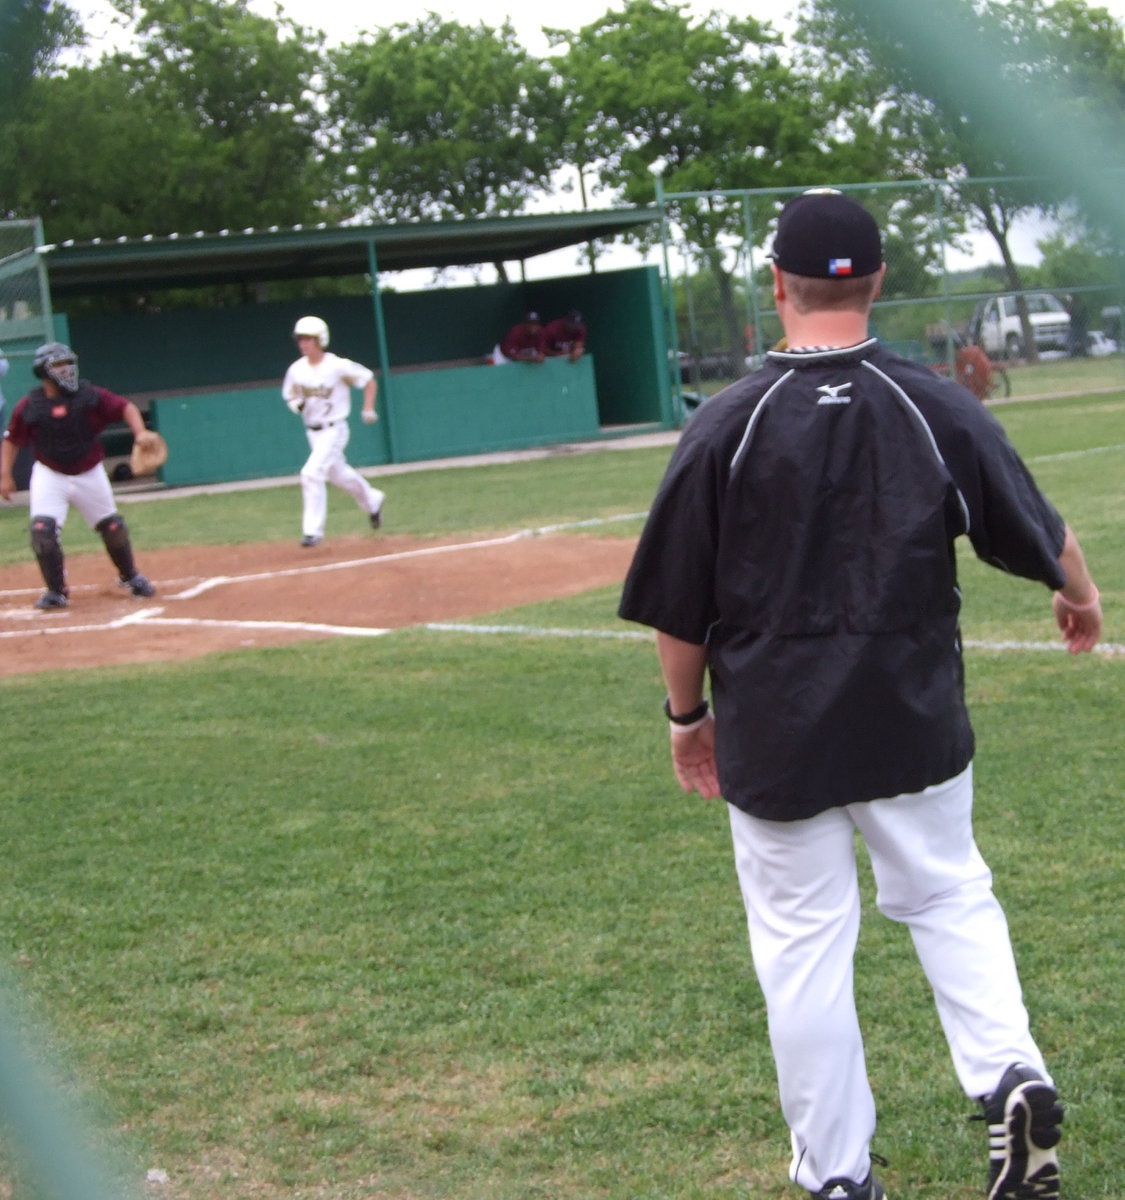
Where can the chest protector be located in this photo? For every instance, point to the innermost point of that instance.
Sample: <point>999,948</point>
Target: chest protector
<point>65,428</point>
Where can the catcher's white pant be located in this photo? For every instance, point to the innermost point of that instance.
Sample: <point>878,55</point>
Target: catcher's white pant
<point>326,464</point>
<point>799,885</point>
<point>51,493</point>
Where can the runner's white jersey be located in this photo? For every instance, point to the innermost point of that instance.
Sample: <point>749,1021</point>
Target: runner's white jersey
<point>322,393</point>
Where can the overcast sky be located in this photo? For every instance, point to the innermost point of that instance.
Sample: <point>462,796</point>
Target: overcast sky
<point>343,19</point>
<point>339,18</point>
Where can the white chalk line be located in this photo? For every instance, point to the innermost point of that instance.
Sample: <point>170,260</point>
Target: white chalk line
<point>42,629</point>
<point>198,587</point>
<point>1042,458</point>
<point>1110,649</point>
<point>291,626</point>
<point>155,615</point>
<point>617,635</point>
<point>215,581</point>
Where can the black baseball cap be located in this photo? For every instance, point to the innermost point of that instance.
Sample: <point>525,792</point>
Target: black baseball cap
<point>824,234</point>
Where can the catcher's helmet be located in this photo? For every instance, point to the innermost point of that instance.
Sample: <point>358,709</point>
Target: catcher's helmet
<point>58,363</point>
<point>312,327</point>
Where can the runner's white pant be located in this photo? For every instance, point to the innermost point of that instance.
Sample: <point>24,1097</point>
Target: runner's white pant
<point>326,464</point>
<point>50,493</point>
<point>798,882</point>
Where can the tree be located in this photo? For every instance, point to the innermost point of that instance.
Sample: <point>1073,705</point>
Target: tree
<point>439,119</point>
<point>1001,92</point>
<point>86,152</point>
<point>710,104</point>
<point>210,124</point>
<point>244,82</point>
<point>33,33</point>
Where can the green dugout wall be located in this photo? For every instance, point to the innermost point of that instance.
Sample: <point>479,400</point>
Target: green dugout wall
<point>210,378</point>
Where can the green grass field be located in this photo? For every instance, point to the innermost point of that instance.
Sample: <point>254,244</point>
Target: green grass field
<point>1066,376</point>
<point>426,917</point>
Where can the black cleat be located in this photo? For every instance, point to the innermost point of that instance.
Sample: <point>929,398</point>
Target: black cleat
<point>139,586</point>
<point>1023,1116</point>
<point>311,539</point>
<point>53,600</point>
<point>844,1189</point>
<point>376,518</point>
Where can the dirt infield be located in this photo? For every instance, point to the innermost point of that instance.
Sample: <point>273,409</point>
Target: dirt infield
<point>227,598</point>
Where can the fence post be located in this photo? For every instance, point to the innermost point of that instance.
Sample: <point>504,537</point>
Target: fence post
<point>947,299</point>
<point>678,414</point>
<point>751,285</point>
<point>386,383</point>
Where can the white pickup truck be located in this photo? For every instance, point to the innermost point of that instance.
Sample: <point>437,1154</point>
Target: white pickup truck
<point>997,329</point>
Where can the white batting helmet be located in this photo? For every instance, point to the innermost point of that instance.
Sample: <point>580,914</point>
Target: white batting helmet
<point>312,327</point>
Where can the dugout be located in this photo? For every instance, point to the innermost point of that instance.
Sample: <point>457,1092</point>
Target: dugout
<point>208,378</point>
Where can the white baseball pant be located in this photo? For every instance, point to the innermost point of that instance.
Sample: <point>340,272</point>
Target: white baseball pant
<point>799,885</point>
<point>326,464</point>
<point>51,493</point>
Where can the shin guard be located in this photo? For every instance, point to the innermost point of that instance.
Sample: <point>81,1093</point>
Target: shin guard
<point>48,550</point>
<point>115,534</point>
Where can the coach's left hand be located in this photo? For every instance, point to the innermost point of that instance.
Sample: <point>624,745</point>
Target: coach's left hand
<point>693,758</point>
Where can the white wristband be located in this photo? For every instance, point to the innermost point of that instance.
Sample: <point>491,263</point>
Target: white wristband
<point>1089,606</point>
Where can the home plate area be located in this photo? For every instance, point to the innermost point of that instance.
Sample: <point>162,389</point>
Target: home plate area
<point>230,597</point>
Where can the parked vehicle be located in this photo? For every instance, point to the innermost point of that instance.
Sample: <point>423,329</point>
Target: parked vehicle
<point>997,329</point>
<point>1098,345</point>
<point>719,364</point>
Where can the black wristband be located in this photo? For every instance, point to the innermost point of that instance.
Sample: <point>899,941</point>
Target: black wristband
<point>688,718</point>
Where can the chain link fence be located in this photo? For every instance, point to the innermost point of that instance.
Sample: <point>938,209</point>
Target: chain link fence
<point>984,263</point>
<point>25,300</point>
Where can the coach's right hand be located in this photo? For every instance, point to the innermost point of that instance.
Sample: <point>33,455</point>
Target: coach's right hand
<point>1081,624</point>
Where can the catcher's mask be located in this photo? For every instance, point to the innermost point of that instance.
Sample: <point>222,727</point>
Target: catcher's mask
<point>312,327</point>
<point>59,364</point>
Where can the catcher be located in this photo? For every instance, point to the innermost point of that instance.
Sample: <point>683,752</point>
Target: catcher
<point>61,420</point>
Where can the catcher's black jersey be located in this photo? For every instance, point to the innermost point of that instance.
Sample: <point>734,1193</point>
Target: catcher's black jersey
<point>804,531</point>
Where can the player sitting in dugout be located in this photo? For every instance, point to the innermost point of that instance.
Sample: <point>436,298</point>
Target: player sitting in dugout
<point>523,342</point>
<point>566,336</point>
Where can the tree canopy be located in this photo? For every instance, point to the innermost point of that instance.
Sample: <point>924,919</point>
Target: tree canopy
<point>33,33</point>
<point>217,117</point>
<point>710,104</point>
<point>1025,93</point>
<point>439,119</point>
<point>209,124</point>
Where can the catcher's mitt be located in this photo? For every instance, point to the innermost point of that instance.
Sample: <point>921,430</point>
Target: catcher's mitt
<point>150,451</point>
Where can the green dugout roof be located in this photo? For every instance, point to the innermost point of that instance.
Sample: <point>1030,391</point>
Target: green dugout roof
<point>205,259</point>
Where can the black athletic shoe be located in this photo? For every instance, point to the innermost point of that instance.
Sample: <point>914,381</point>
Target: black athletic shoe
<point>52,600</point>
<point>1023,1116</point>
<point>844,1189</point>
<point>377,518</point>
<point>310,539</point>
<point>139,586</point>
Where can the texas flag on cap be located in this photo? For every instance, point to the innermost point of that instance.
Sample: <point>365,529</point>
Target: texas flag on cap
<point>823,234</point>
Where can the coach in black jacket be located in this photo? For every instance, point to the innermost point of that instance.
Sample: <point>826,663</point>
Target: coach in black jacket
<point>801,551</point>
